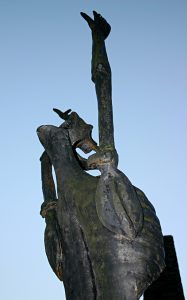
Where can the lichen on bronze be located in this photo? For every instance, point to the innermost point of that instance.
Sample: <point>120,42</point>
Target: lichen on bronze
<point>102,234</point>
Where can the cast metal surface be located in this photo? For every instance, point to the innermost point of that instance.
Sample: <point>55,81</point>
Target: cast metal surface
<point>102,237</point>
<point>168,286</point>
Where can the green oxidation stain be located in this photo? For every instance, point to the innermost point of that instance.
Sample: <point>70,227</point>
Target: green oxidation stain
<point>149,219</point>
<point>84,200</point>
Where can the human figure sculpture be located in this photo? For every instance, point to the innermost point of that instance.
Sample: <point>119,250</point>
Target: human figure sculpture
<point>102,238</point>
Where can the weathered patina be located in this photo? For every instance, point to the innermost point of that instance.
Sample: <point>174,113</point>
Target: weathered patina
<point>102,238</point>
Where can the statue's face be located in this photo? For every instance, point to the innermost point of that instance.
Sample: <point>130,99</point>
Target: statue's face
<point>80,133</point>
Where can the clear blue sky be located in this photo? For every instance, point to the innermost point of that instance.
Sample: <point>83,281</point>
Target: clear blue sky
<point>44,63</point>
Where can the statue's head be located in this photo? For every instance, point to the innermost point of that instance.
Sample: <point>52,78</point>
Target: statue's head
<point>80,132</point>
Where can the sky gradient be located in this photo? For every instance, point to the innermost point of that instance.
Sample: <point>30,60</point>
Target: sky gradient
<point>45,63</point>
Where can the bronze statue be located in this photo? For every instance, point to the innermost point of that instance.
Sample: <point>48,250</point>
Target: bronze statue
<point>102,238</point>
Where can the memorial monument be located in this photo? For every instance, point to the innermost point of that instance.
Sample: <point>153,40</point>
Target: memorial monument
<point>102,237</point>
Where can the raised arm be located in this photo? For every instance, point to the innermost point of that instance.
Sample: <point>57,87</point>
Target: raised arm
<point>101,76</point>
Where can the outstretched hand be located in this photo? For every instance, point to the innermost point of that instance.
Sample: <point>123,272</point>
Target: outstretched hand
<point>98,24</point>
